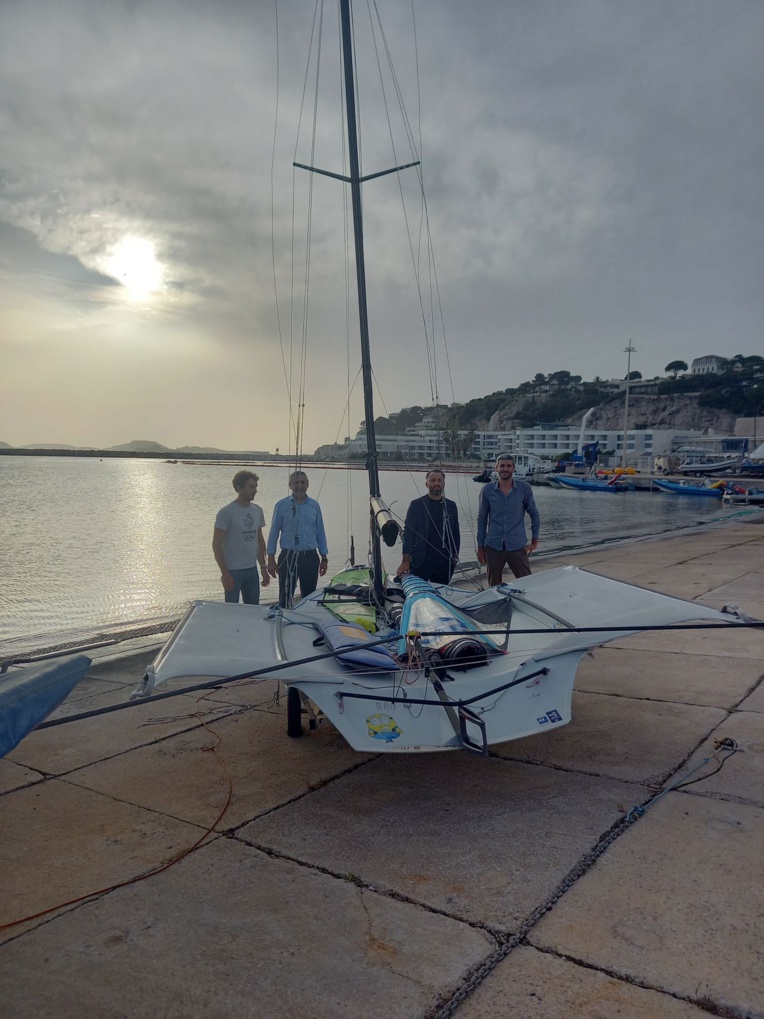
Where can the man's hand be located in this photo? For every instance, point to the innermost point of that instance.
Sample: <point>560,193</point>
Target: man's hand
<point>272,569</point>
<point>529,549</point>
<point>323,566</point>
<point>405,567</point>
<point>481,555</point>
<point>228,582</point>
<point>265,578</point>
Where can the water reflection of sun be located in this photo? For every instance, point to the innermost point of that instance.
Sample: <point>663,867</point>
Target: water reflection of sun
<point>133,263</point>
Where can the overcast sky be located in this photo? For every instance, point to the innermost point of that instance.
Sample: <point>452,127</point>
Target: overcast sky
<point>593,173</point>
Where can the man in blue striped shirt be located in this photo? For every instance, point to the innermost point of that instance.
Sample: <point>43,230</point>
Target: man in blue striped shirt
<point>298,520</point>
<point>501,535</point>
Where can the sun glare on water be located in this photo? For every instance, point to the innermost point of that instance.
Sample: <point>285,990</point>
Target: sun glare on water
<point>133,263</point>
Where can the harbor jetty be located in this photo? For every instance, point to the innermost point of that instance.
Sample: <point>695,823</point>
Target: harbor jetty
<point>184,858</point>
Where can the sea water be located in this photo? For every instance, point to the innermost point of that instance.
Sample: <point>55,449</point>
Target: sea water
<point>87,544</point>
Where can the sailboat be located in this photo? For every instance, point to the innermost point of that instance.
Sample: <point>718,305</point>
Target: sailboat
<point>408,666</point>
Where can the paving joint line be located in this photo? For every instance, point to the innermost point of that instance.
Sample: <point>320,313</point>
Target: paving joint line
<point>714,1008</point>
<point>496,933</point>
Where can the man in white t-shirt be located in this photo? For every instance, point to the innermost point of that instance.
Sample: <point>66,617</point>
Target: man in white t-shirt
<point>238,543</point>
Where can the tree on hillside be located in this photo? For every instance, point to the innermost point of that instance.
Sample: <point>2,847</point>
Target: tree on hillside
<point>634,376</point>
<point>675,367</point>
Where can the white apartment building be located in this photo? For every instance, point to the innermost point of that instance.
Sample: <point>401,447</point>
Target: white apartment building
<point>710,364</point>
<point>550,442</point>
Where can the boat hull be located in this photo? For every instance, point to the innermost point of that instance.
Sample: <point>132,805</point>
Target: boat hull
<point>585,485</point>
<point>676,488</point>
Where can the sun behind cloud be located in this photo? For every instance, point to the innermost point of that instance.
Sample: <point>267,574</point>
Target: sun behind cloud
<point>133,263</point>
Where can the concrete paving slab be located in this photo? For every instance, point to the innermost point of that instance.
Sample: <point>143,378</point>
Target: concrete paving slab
<point>58,841</point>
<point>623,738</point>
<point>13,776</point>
<point>624,570</point>
<point>250,693</point>
<point>709,575</point>
<point>90,694</point>
<point>76,744</point>
<point>529,984</point>
<point>292,942</point>
<point>721,641</point>
<point>747,592</point>
<point>89,688</point>
<point>481,839</point>
<point>676,903</point>
<point>665,676</point>
<point>755,702</point>
<point>178,777</point>
<point>742,775</point>
<point>739,555</point>
<point>678,582</point>
<point>123,667</point>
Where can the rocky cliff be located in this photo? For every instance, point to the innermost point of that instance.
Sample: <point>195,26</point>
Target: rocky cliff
<point>678,412</point>
<point>681,412</point>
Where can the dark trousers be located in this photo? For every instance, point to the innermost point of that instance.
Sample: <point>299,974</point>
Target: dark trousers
<point>434,573</point>
<point>294,566</point>
<point>495,559</point>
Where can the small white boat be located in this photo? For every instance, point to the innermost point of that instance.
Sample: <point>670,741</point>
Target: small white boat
<point>453,670</point>
<point>527,465</point>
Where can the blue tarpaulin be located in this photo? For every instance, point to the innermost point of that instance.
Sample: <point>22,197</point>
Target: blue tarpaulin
<point>29,694</point>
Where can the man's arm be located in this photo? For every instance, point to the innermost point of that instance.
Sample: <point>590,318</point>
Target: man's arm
<point>533,513</point>
<point>266,578</point>
<point>218,537</point>
<point>482,524</point>
<point>321,542</point>
<point>456,532</point>
<point>409,538</point>
<point>273,537</point>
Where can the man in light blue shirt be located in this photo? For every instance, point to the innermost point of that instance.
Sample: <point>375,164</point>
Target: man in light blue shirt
<point>501,535</point>
<point>298,520</point>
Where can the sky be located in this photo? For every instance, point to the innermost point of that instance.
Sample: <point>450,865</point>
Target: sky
<point>591,168</point>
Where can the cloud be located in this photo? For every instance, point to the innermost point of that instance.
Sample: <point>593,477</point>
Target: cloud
<point>591,169</point>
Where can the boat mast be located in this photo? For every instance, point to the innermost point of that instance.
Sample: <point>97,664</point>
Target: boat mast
<point>382,522</point>
<point>360,264</point>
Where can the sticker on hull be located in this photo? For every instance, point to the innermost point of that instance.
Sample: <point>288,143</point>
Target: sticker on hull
<point>550,716</point>
<point>383,727</point>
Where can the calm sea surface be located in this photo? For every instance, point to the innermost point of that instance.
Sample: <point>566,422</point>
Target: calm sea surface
<point>88,544</point>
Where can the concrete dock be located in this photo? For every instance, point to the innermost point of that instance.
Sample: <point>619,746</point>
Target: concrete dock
<point>338,884</point>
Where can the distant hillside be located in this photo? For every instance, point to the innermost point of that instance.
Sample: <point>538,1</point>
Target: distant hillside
<point>6,445</point>
<point>142,446</point>
<point>201,449</point>
<point>49,445</point>
<point>680,401</point>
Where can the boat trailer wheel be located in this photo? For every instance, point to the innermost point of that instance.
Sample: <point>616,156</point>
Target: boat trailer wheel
<point>295,713</point>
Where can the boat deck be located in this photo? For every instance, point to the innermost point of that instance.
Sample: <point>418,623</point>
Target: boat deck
<point>345,884</point>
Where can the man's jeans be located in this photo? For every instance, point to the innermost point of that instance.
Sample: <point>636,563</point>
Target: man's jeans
<point>246,582</point>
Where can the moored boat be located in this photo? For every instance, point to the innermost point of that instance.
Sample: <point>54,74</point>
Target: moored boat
<point>714,491</point>
<point>591,484</point>
<point>737,495</point>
